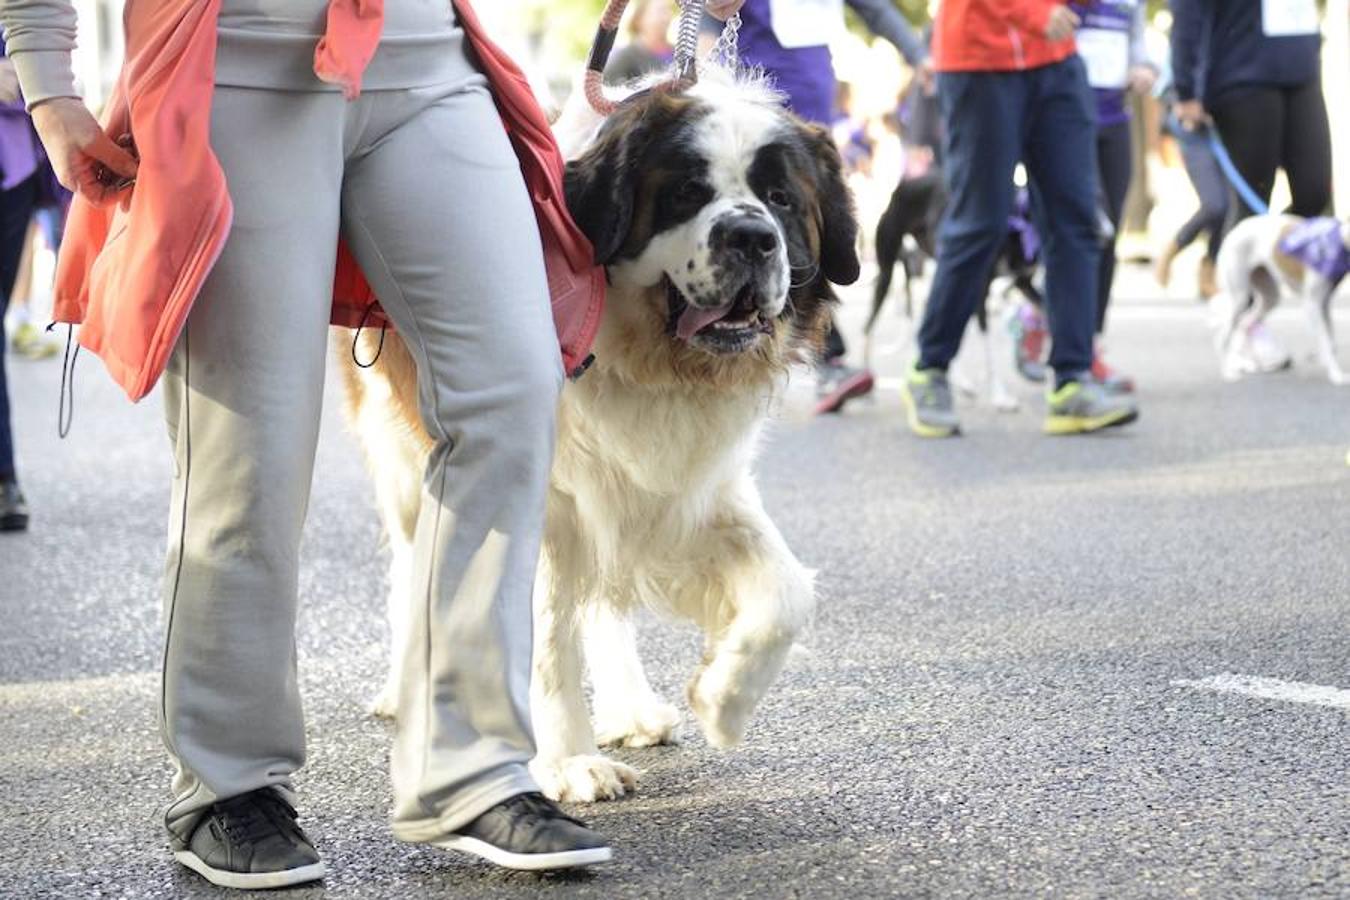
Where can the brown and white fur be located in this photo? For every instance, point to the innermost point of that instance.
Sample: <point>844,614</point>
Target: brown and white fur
<point>722,222</point>
<point>1253,275</point>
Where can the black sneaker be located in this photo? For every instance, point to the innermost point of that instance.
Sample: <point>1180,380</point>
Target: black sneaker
<point>531,833</point>
<point>13,507</point>
<point>251,842</point>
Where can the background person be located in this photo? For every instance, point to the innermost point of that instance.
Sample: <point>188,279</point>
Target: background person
<point>24,177</point>
<point>1012,88</point>
<point>1205,175</point>
<point>789,40</point>
<point>1111,43</point>
<point>1253,68</point>
<point>648,47</point>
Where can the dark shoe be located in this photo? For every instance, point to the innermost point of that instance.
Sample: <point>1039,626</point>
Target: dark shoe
<point>531,833</point>
<point>836,384</point>
<point>251,842</point>
<point>13,508</point>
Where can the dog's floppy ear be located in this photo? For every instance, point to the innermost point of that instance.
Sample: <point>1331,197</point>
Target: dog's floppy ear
<point>838,220</point>
<point>599,188</point>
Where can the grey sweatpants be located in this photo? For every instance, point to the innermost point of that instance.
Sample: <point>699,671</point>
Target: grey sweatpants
<point>425,188</point>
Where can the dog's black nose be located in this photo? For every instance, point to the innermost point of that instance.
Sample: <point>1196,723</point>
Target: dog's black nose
<point>752,238</point>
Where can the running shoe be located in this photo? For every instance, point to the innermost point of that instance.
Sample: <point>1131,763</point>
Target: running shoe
<point>836,384</point>
<point>251,842</point>
<point>1083,405</point>
<point>929,410</point>
<point>529,832</point>
<point>1027,325</point>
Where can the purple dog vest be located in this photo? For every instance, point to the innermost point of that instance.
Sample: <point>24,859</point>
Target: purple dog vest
<point>1319,244</point>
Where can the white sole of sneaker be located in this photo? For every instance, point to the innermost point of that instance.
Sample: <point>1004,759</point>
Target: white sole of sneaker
<point>249,881</point>
<point>525,862</point>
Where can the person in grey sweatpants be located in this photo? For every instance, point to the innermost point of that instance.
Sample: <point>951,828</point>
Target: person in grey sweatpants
<point>418,176</point>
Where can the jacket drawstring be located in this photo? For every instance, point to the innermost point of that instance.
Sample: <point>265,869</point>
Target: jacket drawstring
<point>65,411</point>
<point>356,337</point>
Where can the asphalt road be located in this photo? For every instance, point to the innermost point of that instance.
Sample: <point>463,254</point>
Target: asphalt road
<point>987,704</point>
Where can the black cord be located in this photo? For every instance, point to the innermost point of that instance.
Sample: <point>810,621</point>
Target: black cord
<point>356,337</point>
<point>65,413</point>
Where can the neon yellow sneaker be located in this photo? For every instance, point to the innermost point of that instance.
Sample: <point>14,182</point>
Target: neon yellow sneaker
<point>1082,406</point>
<point>29,342</point>
<point>928,404</point>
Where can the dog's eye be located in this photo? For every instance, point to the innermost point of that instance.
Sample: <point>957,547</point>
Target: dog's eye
<point>691,194</point>
<point>780,198</point>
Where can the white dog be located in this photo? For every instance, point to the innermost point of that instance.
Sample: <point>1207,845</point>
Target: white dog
<point>722,221</point>
<point>1264,257</point>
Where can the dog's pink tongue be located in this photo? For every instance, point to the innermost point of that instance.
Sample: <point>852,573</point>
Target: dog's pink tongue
<point>693,320</point>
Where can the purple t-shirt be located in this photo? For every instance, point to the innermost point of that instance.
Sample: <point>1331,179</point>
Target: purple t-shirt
<point>1320,245</point>
<point>1112,17</point>
<point>20,151</point>
<point>804,74</point>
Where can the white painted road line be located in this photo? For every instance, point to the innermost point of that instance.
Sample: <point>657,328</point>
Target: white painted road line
<point>1273,689</point>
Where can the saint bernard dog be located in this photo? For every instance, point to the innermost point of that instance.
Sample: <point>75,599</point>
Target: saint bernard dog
<point>722,221</point>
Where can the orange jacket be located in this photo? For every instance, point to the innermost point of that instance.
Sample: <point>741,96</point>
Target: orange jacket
<point>130,272</point>
<point>995,36</point>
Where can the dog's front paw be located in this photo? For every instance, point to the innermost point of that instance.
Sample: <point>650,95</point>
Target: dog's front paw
<point>583,779</point>
<point>721,713</point>
<point>653,725</point>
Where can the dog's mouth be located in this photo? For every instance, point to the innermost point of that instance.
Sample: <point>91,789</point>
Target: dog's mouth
<point>733,327</point>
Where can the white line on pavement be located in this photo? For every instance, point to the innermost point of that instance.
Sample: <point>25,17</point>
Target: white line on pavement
<point>1272,689</point>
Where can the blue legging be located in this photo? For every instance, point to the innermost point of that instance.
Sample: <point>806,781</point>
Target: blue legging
<point>16,210</point>
<point>1210,186</point>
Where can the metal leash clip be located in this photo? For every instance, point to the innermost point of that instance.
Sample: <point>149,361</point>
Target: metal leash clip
<point>685,70</point>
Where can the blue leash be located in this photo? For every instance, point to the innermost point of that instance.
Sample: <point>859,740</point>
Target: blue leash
<point>1244,190</point>
<point>1230,172</point>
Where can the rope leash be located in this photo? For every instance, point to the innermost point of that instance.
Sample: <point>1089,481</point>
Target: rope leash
<point>684,73</point>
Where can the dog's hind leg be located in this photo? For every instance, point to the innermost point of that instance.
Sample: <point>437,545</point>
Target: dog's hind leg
<point>385,703</point>
<point>758,597</point>
<point>568,765</point>
<point>628,713</point>
<point>1317,306</point>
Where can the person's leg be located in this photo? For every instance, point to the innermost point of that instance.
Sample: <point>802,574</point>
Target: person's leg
<point>1061,159</point>
<point>16,209</point>
<point>1207,179</point>
<point>1060,154</point>
<point>1251,123</point>
<point>1114,166</point>
<point>983,112</point>
<point>438,216</point>
<point>242,398</point>
<point>1307,150</point>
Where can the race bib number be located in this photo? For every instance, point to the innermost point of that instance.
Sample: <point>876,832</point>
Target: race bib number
<point>1107,57</point>
<point>806,23</point>
<point>1288,18</point>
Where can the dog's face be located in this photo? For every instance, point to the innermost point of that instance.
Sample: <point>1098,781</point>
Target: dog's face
<point>727,217</point>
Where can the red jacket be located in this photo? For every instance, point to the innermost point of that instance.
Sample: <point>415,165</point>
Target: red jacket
<point>131,272</point>
<point>995,36</point>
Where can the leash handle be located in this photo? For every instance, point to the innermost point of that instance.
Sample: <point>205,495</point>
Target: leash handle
<point>686,51</point>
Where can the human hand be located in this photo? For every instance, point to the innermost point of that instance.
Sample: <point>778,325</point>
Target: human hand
<point>80,152</point>
<point>1061,23</point>
<point>1191,114</point>
<point>1142,79</point>
<point>724,9</point>
<point>9,82</point>
<point>927,81</point>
